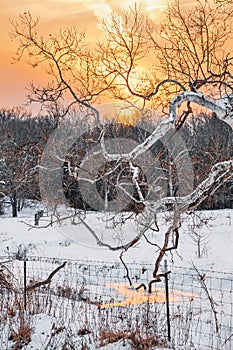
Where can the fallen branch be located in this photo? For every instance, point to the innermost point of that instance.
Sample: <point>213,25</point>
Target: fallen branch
<point>48,280</point>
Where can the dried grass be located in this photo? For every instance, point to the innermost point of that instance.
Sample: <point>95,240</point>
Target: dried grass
<point>138,342</point>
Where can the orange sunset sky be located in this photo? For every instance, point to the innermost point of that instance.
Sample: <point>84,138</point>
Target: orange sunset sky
<point>54,14</point>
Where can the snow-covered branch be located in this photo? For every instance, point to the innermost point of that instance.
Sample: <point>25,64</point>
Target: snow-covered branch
<point>220,173</point>
<point>222,108</point>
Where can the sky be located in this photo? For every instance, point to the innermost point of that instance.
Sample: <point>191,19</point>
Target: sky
<point>54,14</point>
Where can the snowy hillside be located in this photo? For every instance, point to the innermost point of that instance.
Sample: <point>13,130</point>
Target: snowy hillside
<point>57,243</point>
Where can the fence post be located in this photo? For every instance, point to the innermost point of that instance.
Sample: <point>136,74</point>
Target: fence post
<point>25,278</point>
<point>36,220</point>
<point>167,300</point>
<point>38,215</point>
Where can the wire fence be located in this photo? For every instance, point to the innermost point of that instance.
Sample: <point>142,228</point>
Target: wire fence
<point>97,302</point>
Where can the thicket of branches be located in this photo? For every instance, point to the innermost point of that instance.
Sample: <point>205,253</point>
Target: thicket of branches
<point>23,139</point>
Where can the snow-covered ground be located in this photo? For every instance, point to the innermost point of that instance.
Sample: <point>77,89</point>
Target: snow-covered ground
<point>68,241</point>
<point>75,242</point>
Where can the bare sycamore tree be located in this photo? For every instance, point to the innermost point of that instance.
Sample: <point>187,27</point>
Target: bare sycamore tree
<point>192,64</point>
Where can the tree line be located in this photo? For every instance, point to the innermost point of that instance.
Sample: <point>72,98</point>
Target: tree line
<point>23,138</point>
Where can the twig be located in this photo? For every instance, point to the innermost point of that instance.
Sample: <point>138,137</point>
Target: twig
<point>126,268</point>
<point>201,279</point>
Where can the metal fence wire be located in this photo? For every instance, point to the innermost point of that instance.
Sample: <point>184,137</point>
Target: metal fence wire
<point>97,296</point>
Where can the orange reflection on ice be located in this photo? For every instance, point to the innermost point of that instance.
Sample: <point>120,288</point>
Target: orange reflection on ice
<point>135,297</point>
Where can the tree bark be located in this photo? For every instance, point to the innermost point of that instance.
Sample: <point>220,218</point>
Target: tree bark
<point>14,205</point>
<point>1,208</point>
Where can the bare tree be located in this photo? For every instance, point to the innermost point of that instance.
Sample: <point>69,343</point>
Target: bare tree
<point>22,139</point>
<point>17,171</point>
<point>194,64</point>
